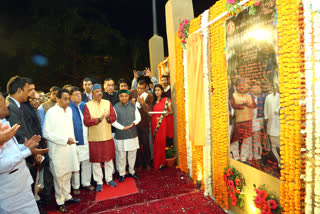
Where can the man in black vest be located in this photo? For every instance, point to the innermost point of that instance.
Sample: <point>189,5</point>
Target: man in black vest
<point>126,134</point>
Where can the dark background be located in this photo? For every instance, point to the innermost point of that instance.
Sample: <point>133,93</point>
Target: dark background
<point>79,38</point>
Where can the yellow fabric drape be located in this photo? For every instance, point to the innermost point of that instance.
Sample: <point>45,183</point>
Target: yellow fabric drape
<point>195,89</point>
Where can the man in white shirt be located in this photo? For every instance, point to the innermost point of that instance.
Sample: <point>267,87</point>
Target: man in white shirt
<point>126,134</point>
<point>58,130</point>
<point>81,135</point>
<point>272,116</point>
<point>15,180</point>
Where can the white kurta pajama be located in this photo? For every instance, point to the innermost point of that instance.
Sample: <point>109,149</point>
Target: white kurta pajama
<point>58,128</point>
<point>83,158</point>
<point>271,112</point>
<point>126,145</point>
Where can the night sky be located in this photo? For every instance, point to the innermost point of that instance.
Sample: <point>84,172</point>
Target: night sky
<point>98,28</point>
<point>136,20</point>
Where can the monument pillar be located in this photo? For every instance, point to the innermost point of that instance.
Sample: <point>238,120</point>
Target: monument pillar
<point>176,11</point>
<point>156,52</point>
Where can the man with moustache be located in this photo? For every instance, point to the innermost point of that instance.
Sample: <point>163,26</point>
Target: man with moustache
<point>58,130</point>
<point>15,180</point>
<point>98,116</point>
<point>109,93</point>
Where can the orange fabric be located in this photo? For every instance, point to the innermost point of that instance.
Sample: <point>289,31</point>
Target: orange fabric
<point>195,89</point>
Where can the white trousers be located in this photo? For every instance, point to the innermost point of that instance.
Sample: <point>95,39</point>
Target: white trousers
<point>22,203</point>
<point>97,171</point>
<point>86,170</point>
<point>62,188</point>
<point>245,150</point>
<point>121,157</point>
<point>256,150</point>
<point>275,143</point>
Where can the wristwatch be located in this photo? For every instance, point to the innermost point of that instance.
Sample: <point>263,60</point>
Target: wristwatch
<point>99,120</point>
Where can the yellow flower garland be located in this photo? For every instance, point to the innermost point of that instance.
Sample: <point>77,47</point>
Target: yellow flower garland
<point>197,151</point>
<point>219,100</point>
<point>290,82</point>
<point>180,102</point>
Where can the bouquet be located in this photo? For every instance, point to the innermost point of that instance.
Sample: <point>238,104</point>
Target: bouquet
<point>266,202</point>
<point>235,183</point>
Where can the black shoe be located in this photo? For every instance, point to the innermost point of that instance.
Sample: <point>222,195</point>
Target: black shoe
<point>162,167</point>
<point>135,176</point>
<point>121,179</point>
<point>73,201</point>
<point>63,209</point>
<point>42,203</point>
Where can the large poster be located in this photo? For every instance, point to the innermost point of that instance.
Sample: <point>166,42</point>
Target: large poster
<point>254,99</point>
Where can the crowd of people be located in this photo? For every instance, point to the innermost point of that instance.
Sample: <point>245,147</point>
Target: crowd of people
<point>70,136</point>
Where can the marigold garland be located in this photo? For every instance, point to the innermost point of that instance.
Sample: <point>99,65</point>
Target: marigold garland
<point>290,119</point>
<point>180,103</point>
<point>197,151</point>
<point>219,114</point>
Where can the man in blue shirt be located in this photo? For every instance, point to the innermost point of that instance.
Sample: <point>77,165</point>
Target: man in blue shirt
<point>15,179</point>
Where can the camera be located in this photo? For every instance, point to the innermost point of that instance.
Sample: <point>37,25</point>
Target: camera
<point>141,73</point>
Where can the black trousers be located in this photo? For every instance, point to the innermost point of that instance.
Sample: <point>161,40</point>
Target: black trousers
<point>47,179</point>
<point>143,153</point>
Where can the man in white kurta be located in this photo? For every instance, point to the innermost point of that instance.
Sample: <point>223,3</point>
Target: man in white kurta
<point>126,135</point>
<point>58,130</point>
<point>272,116</point>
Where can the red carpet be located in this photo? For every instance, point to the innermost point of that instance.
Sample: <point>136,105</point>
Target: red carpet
<point>169,191</point>
<point>125,188</point>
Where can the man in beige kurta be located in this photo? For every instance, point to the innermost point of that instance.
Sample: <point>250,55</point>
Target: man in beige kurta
<point>98,117</point>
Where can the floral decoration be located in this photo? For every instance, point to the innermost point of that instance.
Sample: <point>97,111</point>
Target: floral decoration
<point>184,32</point>
<point>236,185</point>
<point>207,158</point>
<point>219,104</point>
<point>233,7</point>
<point>180,103</point>
<point>266,202</point>
<point>291,69</point>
